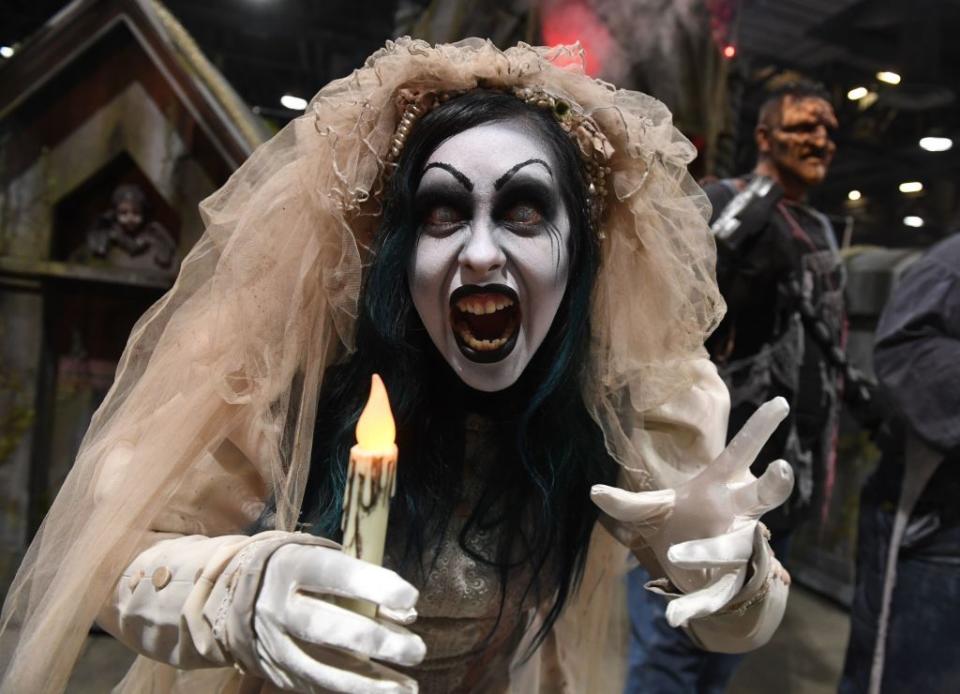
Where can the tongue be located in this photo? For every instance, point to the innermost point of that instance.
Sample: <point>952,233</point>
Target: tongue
<point>489,326</point>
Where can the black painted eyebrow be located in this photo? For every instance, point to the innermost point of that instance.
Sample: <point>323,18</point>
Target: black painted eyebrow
<point>506,177</point>
<point>453,171</point>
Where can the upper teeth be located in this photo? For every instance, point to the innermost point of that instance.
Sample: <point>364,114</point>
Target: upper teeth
<point>478,305</point>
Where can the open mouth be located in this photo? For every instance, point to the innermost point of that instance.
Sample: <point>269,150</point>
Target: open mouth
<point>485,321</point>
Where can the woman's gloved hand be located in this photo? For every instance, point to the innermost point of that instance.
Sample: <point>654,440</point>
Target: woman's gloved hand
<point>307,643</point>
<point>702,532</point>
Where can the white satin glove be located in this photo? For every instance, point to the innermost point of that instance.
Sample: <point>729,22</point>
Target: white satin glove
<point>702,532</point>
<point>306,643</point>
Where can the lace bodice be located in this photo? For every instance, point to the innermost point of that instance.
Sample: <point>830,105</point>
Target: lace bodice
<point>460,598</point>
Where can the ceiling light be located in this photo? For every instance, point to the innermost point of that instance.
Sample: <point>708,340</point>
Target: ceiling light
<point>888,77</point>
<point>854,195</point>
<point>294,103</point>
<point>911,187</point>
<point>857,93</point>
<point>913,220</point>
<point>6,51</point>
<point>936,144</point>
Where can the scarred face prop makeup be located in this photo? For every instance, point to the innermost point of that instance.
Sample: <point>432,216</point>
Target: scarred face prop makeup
<point>801,145</point>
<point>491,262</point>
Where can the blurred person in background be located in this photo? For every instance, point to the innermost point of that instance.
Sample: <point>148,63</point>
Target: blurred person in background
<point>780,272</point>
<point>907,596</point>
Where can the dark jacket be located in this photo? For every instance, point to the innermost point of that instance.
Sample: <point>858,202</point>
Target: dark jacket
<point>917,362</point>
<point>764,348</point>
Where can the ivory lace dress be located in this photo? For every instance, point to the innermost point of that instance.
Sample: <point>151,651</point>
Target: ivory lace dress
<point>470,643</point>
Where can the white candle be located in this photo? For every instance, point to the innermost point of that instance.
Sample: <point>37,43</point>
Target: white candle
<point>371,483</point>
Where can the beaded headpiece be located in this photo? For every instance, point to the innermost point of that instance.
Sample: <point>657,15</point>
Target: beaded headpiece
<point>593,146</point>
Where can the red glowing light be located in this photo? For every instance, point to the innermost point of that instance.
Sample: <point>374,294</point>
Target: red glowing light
<point>729,51</point>
<point>568,21</point>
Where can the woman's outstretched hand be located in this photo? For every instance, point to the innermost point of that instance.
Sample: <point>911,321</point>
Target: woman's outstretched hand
<point>702,532</point>
<point>306,643</point>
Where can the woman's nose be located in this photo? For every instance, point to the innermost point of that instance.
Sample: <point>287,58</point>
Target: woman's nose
<point>482,254</point>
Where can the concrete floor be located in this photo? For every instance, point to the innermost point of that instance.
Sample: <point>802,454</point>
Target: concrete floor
<point>805,656</point>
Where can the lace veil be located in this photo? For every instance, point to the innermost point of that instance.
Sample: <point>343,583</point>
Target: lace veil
<point>268,297</point>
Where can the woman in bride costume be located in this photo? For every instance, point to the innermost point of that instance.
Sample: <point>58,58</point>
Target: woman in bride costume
<point>518,250</point>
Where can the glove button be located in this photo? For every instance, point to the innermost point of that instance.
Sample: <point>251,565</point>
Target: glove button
<point>161,577</point>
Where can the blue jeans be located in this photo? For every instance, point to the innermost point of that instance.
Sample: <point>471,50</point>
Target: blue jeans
<point>922,635</point>
<point>663,660</point>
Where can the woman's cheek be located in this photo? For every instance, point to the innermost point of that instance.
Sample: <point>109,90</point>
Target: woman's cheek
<point>433,262</point>
<point>541,261</point>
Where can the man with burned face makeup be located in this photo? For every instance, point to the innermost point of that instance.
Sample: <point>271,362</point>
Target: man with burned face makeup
<point>781,275</point>
<point>782,278</point>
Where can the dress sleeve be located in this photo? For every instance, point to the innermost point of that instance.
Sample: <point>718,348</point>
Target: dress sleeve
<point>751,618</point>
<point>188,601</point>
<point>187,598</point>
<point>685,434</point>
<point>677,441</point>
<point>917,350</point>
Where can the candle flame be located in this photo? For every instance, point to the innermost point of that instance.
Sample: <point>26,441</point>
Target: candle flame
<point>375,428</point>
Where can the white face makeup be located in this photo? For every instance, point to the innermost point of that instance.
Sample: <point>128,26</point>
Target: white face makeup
<point>491,261</point>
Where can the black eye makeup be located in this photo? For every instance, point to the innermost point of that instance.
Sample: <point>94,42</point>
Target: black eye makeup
<point>525,202</point>
<point>525,214</point>
<point>441,208</point>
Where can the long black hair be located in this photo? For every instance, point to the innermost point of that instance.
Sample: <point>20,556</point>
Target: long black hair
<point>549,450</point>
